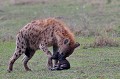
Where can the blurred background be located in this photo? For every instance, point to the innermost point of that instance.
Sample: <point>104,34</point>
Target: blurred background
<point>86,18</point>
<point>95,23</point>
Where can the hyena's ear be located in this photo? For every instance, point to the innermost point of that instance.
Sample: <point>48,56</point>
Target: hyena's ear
<point>66,41</point>
<point>76,45</point>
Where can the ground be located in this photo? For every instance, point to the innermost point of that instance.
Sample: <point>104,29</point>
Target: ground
<point>91,17</point>
<point>91,63</point>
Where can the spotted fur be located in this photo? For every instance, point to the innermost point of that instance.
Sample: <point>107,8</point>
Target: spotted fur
<point>40,34</point>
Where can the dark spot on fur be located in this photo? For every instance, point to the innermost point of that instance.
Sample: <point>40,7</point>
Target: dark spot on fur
<point>33,37</point>
<point>42,44</point>
<point>44,41</point>
<point>29,29</point>
<point>33,29</point>
<point>31,34</point>
<point>36,30</point>
<point>22,42</point>
<point>22,35</point>
<point>17,46</point>
<point>23,52</point>
<point>19,51</point>
<point>16,55</point>
<point>18,39</point>
<point>22,47</point>
<point>52,34</point>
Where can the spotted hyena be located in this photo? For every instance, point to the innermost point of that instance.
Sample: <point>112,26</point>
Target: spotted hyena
<point>40,34</point>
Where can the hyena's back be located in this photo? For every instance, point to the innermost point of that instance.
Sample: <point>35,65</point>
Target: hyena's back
<point>37,32</point>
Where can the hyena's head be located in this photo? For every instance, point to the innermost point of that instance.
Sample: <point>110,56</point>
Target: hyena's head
<point>67,48</point>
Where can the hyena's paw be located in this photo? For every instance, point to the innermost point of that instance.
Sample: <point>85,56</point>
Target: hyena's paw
<point>28,69</point>
<point>55,68</point>
<point>49,68</point>
<point>9,70</point>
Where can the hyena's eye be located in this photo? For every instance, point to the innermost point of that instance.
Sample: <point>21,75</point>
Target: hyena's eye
<point>66,41</point>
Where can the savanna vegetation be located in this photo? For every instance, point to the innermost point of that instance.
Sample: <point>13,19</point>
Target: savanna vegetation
<point>95,23</point>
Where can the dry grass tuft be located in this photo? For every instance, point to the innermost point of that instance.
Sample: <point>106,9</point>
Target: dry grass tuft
<point>101,41</point>
<point>24,2</point>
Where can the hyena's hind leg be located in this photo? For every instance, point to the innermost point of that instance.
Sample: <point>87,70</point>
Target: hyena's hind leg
<point>16,55</point>
<point>20,49</point>
<point>28,55</point>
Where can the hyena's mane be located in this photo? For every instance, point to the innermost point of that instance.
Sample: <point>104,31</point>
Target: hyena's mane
<point>62,30</point>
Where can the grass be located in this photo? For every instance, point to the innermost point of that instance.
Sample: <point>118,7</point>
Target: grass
<point>91,63</point>
<point>88,18</point>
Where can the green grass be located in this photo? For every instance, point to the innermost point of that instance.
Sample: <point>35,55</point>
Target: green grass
<point>91,63</point>
<point>93,16</point>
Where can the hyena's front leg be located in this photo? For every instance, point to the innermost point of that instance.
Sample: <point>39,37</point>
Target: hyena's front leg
<point>48,53</point>
<point>28,55</point>
<point>55,53</point>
